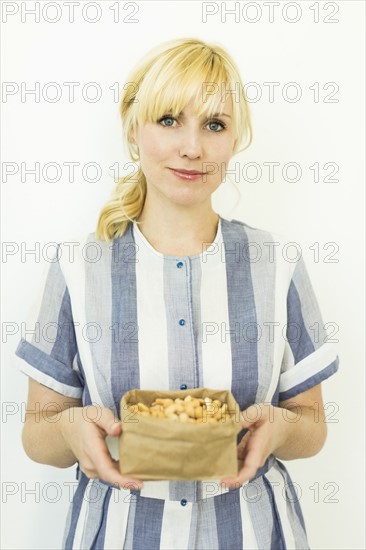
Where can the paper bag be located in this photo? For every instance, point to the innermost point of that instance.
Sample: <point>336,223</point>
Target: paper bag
<point>162,449</point>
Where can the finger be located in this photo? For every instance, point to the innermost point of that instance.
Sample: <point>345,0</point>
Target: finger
<point>242,447</point>
<point>89,472</point>
<point>253,457</point>
<point>251,464</point>
<point>244,441</point>
<point>111,425</point>
<point>110,472</point>
<point>131,484</point>
<point>246,473</point>
<point>103,418</point>
<point>99,460</point>
<point>115,429</point>
<point>115,479</point>
<point>251,415</point>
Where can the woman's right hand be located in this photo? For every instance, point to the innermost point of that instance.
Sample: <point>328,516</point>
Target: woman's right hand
<point>84,430</point>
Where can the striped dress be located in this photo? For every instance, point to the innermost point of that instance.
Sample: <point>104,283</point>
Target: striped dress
<point>242,316</point>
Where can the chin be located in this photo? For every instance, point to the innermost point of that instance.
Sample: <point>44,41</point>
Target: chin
<point>183,199</point>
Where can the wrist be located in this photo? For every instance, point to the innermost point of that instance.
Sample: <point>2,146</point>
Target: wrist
<point>285,422</point>
<point>67,423</point>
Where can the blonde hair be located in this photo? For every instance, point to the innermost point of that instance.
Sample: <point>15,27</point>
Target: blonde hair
<point>165,81</point>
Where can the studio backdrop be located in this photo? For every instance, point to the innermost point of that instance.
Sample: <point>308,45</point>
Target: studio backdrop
<point>64,67</point>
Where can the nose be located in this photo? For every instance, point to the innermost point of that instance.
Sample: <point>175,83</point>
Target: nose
<point>190,143</point>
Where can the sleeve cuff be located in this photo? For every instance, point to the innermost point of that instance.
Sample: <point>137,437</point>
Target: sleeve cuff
<point>309,372</point>
<point>48,371</point>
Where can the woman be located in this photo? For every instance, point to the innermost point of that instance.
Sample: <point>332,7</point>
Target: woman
<point>169,295</point>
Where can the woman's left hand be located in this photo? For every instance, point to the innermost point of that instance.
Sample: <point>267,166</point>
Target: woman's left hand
<point>266,432</point>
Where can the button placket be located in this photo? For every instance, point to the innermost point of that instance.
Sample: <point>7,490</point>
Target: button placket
<point>179,284</point>
<point>182,386</point>
<point>182,322</point>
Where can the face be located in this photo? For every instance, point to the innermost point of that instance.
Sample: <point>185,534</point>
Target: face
<point>184,159</point>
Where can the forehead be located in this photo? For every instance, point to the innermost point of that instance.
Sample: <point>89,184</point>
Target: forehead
<point>214,108</point>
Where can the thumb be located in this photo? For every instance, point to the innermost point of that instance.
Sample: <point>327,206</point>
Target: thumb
<point>251,415</point>
<point>115,428</point>
<point>109,422</point>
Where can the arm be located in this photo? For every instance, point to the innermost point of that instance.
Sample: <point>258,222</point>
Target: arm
<point>292,430</point>
<point>42,438</point>
<point>304,430</point>
<point>59,431</point>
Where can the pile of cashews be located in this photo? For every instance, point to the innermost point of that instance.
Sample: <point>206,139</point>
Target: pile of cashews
<point>188,410</point>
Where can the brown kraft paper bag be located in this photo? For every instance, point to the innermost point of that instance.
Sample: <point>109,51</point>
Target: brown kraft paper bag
<point>162,449</point>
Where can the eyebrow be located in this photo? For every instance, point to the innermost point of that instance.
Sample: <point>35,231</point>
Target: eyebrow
<point>221,114</point>
<point>214,114</point>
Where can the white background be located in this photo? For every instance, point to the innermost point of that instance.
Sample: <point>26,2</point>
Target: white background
<point>306,132</point>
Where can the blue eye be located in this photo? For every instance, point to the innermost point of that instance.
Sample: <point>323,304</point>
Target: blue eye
<point>166,118</point>
<point>219,123</point>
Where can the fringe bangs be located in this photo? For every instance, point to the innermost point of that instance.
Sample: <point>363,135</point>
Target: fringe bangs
<point>169,77</point>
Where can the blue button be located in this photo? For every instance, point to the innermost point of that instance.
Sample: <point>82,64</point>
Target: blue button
<point>182,322</point>
<point>180,264</point>
<point>183,502</point>
<point>183,386</point>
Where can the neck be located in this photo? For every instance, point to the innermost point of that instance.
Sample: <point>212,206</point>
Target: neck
<point>183,233</point>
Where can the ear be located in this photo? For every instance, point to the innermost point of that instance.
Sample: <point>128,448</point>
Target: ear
<point>133,136</point>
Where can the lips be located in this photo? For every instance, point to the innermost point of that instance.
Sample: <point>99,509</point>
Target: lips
<point>189,172</point>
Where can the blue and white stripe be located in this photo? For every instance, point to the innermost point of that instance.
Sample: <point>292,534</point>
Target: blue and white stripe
<point>151,321</point>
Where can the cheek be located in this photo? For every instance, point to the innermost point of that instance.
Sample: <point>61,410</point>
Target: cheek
<point>223,150</point>
<point>153,146</point>
<point>228,148</point>
<point>149,156</point>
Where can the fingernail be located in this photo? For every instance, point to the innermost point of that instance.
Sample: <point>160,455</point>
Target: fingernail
<point>132,485</point>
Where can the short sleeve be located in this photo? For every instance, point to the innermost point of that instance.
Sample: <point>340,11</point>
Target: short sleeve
<point>309,358</point>
<point>48,346</point>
